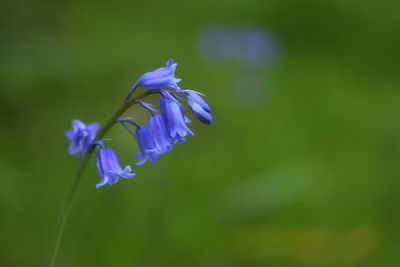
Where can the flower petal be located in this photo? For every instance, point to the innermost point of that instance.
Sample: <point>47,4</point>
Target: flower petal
<point>93,127</point>
<point>73,148</point>
<point>70,134</point>
<point>78,125</point>
<point>127,172</point>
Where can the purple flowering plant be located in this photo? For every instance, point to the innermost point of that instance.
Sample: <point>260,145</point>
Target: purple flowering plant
<point>164,129</point>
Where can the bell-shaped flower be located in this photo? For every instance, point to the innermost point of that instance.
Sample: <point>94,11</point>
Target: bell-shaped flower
<point>160,78</point>
<point>172,112</point>
<point>81,136</point>
<point>109,168</point>
<point>146,145</point>
<point>158,131</point>
<point>198,106</point>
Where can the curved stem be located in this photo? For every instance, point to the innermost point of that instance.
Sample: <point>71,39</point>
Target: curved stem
<point>82,165</point>
<point>65,209</point>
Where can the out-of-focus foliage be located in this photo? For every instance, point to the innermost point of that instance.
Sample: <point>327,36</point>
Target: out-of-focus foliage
<point>300,168</point>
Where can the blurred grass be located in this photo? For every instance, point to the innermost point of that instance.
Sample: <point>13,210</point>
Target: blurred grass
<point>307,176</point>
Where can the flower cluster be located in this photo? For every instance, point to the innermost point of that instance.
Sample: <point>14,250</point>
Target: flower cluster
<point>162,132</point>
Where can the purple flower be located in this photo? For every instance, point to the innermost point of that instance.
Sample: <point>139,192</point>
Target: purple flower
<point>158,130</point>
<point>81,136</point>
<point>147,146</point>
<point>172,112</point>
<point>160,78</point>
<point>198,106</point>
<point>109,168</point>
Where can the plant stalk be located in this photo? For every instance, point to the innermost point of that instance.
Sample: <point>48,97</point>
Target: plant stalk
<point>62,219</point>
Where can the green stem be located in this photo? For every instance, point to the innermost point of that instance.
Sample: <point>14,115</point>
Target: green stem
<point>65,209</point>
<point>83,163</point>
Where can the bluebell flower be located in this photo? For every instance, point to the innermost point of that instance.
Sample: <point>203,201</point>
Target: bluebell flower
<point>160,78</point>
<point>172,112</point>
<point>158,130</point>
<point>109,168</point>
<point>146,145</point>
<point>198,106</point>
<point>81,136</point>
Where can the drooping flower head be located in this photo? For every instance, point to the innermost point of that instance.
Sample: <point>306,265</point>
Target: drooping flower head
<point>81,136</point>
<point>146,145</point>
<point>109,168</point>
<point>158,130</point>
<point>162,132</point>
<point>198,106</point>
<point>172,112</point>
<point>160,78</point>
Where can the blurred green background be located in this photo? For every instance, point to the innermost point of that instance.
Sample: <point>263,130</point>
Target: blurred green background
<point>306,173</point>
